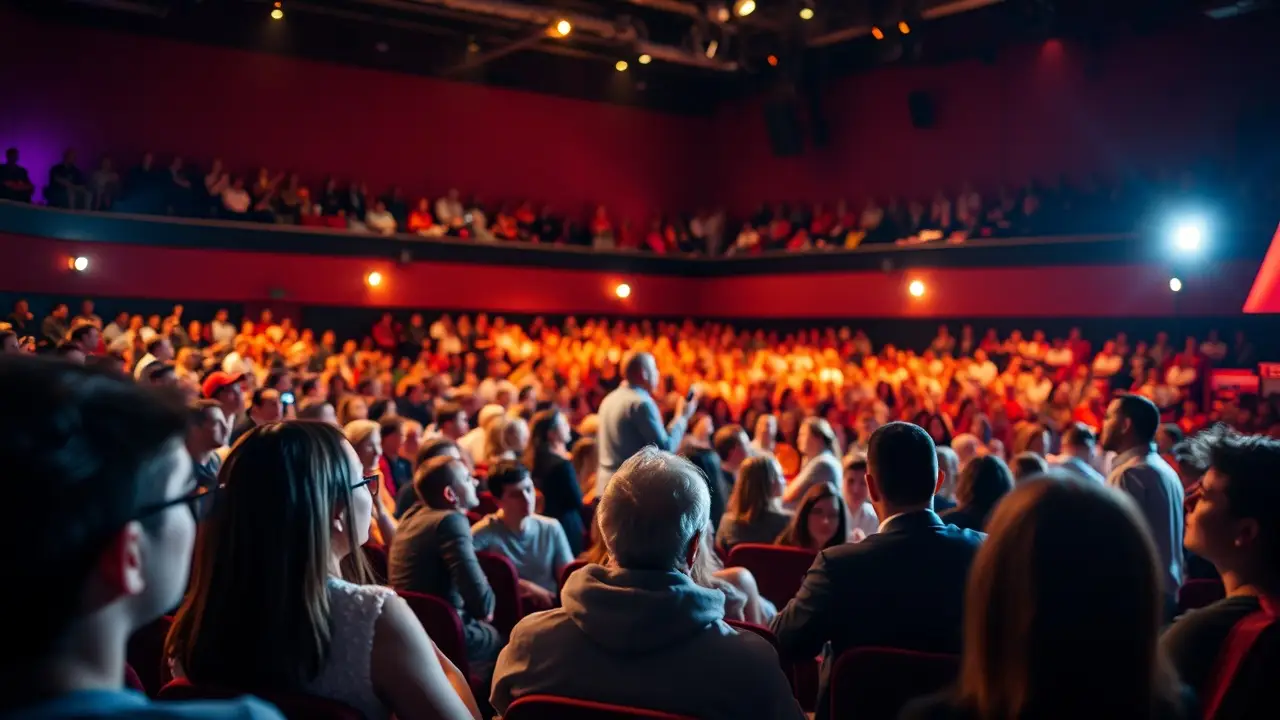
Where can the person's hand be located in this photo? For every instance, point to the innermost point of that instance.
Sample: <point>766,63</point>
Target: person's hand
<point>858,535</point>
<point>537,592</point>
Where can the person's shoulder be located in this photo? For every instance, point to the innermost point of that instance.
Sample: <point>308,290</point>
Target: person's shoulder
<point>962,535</point>
<point>485,527</point>
<point>546,525</point>
<point>447,522</point>
<point>1209,624</point>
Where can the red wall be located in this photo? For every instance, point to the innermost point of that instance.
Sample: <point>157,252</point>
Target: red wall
<point>1161,103</point>
<point>100,91</point>
<point>39,265</point>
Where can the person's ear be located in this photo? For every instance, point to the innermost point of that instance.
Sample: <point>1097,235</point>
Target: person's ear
<point>120,565</point>
<point>1246,532</point>
<point>942,478</point>
<point>337,523</point>
<point>450,496</point>
<point>691,552</point>
<point>873,488</point>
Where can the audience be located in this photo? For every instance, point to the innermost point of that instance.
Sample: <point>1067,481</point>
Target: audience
<point>630,419</point>
<point>1078,453</point>
<point>553,475</point>
<point>902,587</point>
<point>266,608</point>
<point>642,632</point>
<point>984,481</point>
<point>820,522</point>
<point>755,513</point>
<point>862,520</point>
<point>1028,465</point>
<point>15,183</point>
<point>106,530</point>
<point>817,442</point>
<point>1060,623</point>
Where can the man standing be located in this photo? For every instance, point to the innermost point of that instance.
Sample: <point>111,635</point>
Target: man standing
<point>1130,432</point>
<point>630,419</point>
<point>1077,453</point>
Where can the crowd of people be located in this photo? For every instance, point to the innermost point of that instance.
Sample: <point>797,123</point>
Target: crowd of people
<point>958,215</point>
<point>1021,502</point>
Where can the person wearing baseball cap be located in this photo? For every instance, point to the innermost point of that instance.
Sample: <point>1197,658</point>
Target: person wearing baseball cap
<point>224,387</point>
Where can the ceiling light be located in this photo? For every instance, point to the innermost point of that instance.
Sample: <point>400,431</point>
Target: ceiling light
<point>80,264</point>
<point>564,27</point>
<point>623,291</point>
<point>773,60</point>
<point>373,279</point>
<point>903,27</point>
<point>916,288</point>
<point>1175,284</point>
<point>277,13</point>
<point>743,8</point>
<point>806,13</point>
<point>621,66</point>
<point>645,59</point>
<point>877,33</point>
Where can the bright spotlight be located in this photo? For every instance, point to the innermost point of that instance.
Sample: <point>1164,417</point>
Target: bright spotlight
<point>904,28</point>
<point>773,61</point>
<point>623,291</point>
<point>621,65</point>
<point>1175,284</point>
<point>277,14</point>
<point>876,32</point>
<point>564,27</point>
<point>743,8</point>
<point>806,13</point>
<point>1188,235</point>
<point>645,59</point>
<point>916,288</point>
<point>374,279</point>
<point>80,264</point>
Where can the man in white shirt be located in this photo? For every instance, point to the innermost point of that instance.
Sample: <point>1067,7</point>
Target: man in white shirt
<point>982,370</point>
<point>221,331</point>
<point>857,499</point>
<point>474,441</point>
<point>159,349</point>
<point>379,220</point>
<point>1037,389</point>
<point>1107,362</point>
<point>1059,356</point>
<point>239,362</point>
<point>1182,374</point>
<point>449,210</point>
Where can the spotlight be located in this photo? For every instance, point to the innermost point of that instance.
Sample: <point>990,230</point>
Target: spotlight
<point>645,59</point>
<point>1175,284</point>
<point>904,28</point>
<point>277,13</point>
<point>773,61</point>
<point>743,8</point>
<point>876,32</point>
<point>621,65</point>
<point>719,12</point>
<point>806,13</point>
<point>916,288</point>
<point>623,291</point>
<point>1188,235</point>
<point>564,27</point>
<point>374,279</point>
<point>80,264</point>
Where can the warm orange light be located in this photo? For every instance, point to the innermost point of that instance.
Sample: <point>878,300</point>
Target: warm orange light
<point>773,60</point>
<point>806,13</point>
<point>374,279</point>
<point>904,28</point>
<point>916,288</point>
<point>277,14</point>
<point>623,291</point>
<point>621,66</point>
<point>563,28</point>
<point>877,33</point>
<point>645,59</point>
<point>79,264</point>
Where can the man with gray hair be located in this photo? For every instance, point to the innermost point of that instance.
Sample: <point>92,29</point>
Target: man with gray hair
<point>640,631</point>
<point>630,419</point>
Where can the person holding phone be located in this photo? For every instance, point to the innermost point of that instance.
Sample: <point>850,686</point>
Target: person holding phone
<point>631,421</point>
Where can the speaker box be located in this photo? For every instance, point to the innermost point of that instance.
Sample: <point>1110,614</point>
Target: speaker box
<point>920,104</point>
<point>786,136</point>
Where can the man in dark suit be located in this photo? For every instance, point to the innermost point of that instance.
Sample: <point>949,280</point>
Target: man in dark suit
<point>432,554</point>
<point>902,587</point>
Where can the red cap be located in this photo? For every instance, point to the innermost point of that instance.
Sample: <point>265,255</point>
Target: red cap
<point>218,380</point>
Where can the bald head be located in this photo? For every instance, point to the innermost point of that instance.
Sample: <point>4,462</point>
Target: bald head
<point>640,369</point>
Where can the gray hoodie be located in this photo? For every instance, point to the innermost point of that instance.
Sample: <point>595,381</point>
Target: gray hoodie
<point>645,639</point>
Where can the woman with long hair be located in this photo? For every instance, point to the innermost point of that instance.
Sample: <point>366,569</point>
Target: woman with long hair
<point>553,473</point>
<point>983,482</point>
<point>764,435</point>
<point>269,608</point>
<point>1061,623</point>
<point>755,513</point>
<point>351,407</point>
<point>821,451</point>
<point>366,437</point>
<point>820,522</point>
<point>585,458</point>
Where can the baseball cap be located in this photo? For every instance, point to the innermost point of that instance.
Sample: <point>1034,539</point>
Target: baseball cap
<point>218,380</point>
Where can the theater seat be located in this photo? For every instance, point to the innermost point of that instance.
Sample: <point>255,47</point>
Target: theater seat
<point>294,706</point>
<point>875,683</point>
<point>505,581</point>
<point>442,624</point>
<point>779,571</point>
<point>131,679</point>
<point>1242,683</point>
<point>1196,594</point>
<point>549,707</point>
<point>570,569</point>
<point>488,504</point>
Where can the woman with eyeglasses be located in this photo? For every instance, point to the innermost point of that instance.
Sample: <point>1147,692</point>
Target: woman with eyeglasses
<point>268,609</point>
<point>366,437</point>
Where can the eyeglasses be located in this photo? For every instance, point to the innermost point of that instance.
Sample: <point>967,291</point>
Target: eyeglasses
<point>198,502</point>
<point>371,481</point>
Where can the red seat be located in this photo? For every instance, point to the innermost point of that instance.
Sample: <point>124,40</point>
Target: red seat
<point>313,221</point>
<point>376,556</point>
<point>442,624</point>
<point>131,679</point>
<point>570,569</point>
<point>549,707</point>
<point>803,676</point>
<point>505,582</point>
<point>474,517</point>
<point>762,631</point>
<point>875,683</point>
<point>488,505</point>
<point>779,571</point>
<point>1196,594</point>
<point>295,706</point>
<point>146,654</point>
<point>1241,684</point>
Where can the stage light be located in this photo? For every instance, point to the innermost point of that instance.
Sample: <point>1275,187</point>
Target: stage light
<point>773,61</point>
<point>80,264</point>
<point>621,65</point>
<point>743,8</point>
<point>1175,284</point>
<point>876,32</point>
<point>564,27</point>
<point>904,28</point>
<point>1188,235</point>
<point>645,59</point>
<point>916,288</point>
<point>277,13</point>
<point>623,291</point>
<point>374,279</point>
<point>806,13</point>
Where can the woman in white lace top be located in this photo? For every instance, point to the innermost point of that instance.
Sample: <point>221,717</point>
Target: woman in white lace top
<point>269,608</point>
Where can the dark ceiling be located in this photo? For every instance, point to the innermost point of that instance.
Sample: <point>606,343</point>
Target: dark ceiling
<point>506,43</point>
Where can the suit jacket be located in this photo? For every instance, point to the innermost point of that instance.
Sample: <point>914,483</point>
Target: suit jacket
<point>432,554</point>
<point>902,587</point>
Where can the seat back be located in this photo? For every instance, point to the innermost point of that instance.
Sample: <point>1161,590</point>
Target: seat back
<point>549,707</point>
<point>1195,594</point>
<point>442,624</point>
<point>376,555</point>
<point>294,706</point>
<point>1242,682</point>
<point>131,679</point>
<point>488,504</point>
<point>875,683</point>
<point>146,654</point>
<point>779,571</point>
<point>570,569</point>
<point>762,631</point>
<point>505,582</point>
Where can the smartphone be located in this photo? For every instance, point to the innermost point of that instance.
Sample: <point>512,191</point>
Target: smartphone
<point>688,397</point>
<point>286,398</point>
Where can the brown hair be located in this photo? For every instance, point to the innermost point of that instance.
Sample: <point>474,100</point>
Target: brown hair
<point>753,492</point>
<point>1060,622</point>
<point>797,533</point>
